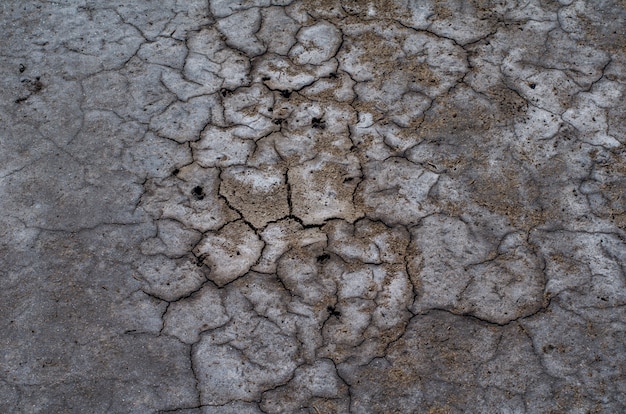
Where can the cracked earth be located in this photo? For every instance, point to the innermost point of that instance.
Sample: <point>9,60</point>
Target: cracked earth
<point>277,206</point>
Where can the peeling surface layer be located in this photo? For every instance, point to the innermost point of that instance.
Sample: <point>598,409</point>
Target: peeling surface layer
<point>289,206</point>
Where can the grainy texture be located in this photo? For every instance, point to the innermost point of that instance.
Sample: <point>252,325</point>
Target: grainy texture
<point>282,206</point>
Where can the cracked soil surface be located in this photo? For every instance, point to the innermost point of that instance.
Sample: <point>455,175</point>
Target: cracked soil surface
<point>283,206</point>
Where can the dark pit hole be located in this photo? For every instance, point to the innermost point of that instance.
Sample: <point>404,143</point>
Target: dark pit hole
<point>333,311</point>
<point>270,109</point>
<point>200,260</point>
<point>198,192</point>
<point>333,75</point>
<point>277,121</point>
<point>348,179</point>
<point>175,171</point>
<point>22,68</point>
<point>265,78</point>
<point>532,85</point>
<point>318,123</point>
<point>285,93</point>
<point>323,258</point>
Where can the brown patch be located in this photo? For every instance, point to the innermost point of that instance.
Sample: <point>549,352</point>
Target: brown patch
<point>445,409</point>
<point>442,11</point>
<point>507,192</point>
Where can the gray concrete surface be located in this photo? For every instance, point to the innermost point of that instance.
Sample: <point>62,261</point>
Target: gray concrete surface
<point>280,206</point>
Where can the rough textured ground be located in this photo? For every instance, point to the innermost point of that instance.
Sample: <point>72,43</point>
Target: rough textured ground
<point>313,206</point>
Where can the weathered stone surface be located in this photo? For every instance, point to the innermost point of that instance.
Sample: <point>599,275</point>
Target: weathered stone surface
<point>320,206</point>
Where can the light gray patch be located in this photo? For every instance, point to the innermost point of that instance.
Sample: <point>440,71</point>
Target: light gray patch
<point>229,252</point>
